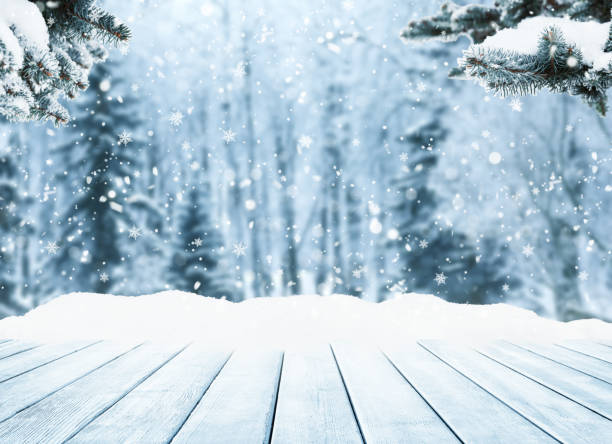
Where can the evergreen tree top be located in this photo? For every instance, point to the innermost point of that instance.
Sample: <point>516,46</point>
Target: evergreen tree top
<point>569,48</point>
<point>47,49</point>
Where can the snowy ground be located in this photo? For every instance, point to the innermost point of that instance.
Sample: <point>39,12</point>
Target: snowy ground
<point>283,322</point>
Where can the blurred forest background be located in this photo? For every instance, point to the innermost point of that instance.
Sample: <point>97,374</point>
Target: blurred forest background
<point>246,149</point>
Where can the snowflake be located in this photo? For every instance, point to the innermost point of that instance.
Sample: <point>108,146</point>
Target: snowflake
<point>104,277</point>
<point>421,87</point>
<point>135,232</point>
<point>197,242</point>
<point>569,128</point>
<point>239,249</point>
<point>125,138</point>
<point>516,105</point>
<point>440,278</point>
<point>356,142</point>
<point>52,247</point>
<point>486,134</point>
<point>186,145</point>
<point>357,272</point>
<point>240,70</point>
<point>404,157</point>
<point>423,244</point>
<point>583,275</point>
<point>229,136</point>
<point>505,287</point>
<point>528,250</point>
<point>535,191</point>
<point>50,22</point>
<point>304,142</point>
<point>176,118</point>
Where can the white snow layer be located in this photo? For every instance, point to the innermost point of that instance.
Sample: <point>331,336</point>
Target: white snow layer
<point>285,322</point>
<point>28,23</point>
<point>589,37</point>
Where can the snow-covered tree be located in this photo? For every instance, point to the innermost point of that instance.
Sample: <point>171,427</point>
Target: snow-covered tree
<point>47,49</point>
<point>98,166</point>
<point>522,46</point>
<point>198,263</point>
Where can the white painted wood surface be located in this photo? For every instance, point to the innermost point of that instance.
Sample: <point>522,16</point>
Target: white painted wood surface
<point>590,348</point>
<point>155,410</point>
<point>468,409</point>
<point>29,360</point>
<point>559,416</point>
<point>24,390</point>
<point>59,416</point>
<point>388,409</point>
<point>12,348</point>
<point>313,406</point>
<point>238,407</point>
<point>586,364</point>
<point>588,391</point>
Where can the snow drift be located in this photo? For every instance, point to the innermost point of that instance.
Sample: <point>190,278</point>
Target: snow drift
<point>282,322</point>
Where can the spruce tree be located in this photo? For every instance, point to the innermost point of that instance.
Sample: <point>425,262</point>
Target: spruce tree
<point>198,264</point>
<point>522,46</point>
<point>47,49</point>
<point>435,259</point>
<point>98,165</point>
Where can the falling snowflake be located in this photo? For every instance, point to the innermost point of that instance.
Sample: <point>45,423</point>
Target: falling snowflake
<point>357,272</point>
<point>403,157</point>
<point>176,118</point>
<point>505,288</point>
<point>104,277</point>
<point>239,249</point>
<point>52,247</point>
<point>583,276</point>
<point>528,250</point>
<point>356,142</point>
<point>423,244</point>
<point>229,136</point>
<point>421,87</point>
<point>240,70</point>
<point>197,242</point>
<point>125,138</point>
<point>440,278</point>
<point>569,128</point>
<point>135,232</point>
<point>186,145</point>
<point>486,134</point>
<point>516,105</point>
<point>304,142</point>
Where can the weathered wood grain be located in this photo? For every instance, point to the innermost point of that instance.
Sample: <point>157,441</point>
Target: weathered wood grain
<point>59,416</point>
<point>388,409</point>
<point>590,348</point>
<point>560,417</point>
<point>313,406</point>
<point>238,407</point>
<point>578,361</point>
<point>18,393</point>
<point>14,347</point>
<point>470,411</point>
<point>586,390</point>
<point>29,360</point>
<point>155,410</point>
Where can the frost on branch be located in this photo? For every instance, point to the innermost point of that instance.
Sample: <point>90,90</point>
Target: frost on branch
<point>47,49</point>
<point>522,46</point>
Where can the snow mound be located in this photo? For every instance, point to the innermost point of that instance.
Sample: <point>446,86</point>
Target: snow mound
<point>284,322</point>
<point>28,23</point>
<point>589,37</point>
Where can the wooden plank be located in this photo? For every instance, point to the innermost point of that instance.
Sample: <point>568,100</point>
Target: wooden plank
<point>313,406</point>
<point>590,348</point>
<point>29,360</point>
<point>13,347</point>
<point>586,364</point>
<point>471,412</point>
<point>586,390</point>
<point>18,393</point>
<point>59,416</point>
<point>560,417</point>
<point>155,410</point>
<point>388,409</point>
<point>238,407</point>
